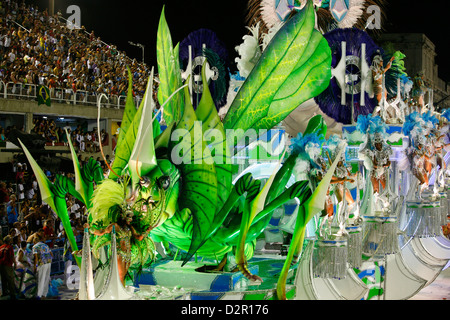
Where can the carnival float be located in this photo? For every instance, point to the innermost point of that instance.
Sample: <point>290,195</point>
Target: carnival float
<point>209,197</point>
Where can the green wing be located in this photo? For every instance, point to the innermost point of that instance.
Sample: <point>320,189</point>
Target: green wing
<point>295,67</point>
<point>199,185</point>
<point>45,186</point>
<point>54,194</point>
<point>214,133</point>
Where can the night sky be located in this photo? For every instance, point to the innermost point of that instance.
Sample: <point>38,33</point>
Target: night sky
<point>118,22</point>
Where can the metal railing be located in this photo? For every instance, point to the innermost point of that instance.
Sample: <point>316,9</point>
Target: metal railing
<point>26,91</point>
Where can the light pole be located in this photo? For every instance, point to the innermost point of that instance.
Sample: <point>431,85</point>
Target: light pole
<point>140,46</point>
<point>51,7</point>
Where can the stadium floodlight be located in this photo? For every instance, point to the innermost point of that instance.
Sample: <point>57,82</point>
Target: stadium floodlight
<point>140,46</point>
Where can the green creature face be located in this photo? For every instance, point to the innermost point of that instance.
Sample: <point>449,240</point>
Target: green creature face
<point>155,198</point>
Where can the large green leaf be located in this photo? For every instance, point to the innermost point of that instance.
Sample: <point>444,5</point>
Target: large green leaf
<point>169,73</point>
<point>54,194</point>
<point>45,185</point>
<point>199,178</point>
<point>125,148</point>
<point>295,67</point>
<point>251,210</point>
<point>80,186</point>
<point>307,211</point>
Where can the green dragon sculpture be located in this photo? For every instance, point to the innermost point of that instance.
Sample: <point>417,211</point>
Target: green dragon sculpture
<point>175,186</point>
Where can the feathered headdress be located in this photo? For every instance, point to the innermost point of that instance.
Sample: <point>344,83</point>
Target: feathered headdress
<point>308,147</point>
<point>108,201</point>
<point>356,13</point>
<point>334,145</point>
<point>446,114</point>
<point>430,119</point>
<point>416,127</point>
<point>307,143</point>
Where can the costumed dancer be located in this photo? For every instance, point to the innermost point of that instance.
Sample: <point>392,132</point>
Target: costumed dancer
<point>378,74</point>
<point>310,165</point>
<point>331,249</point>
<point>375,152</point>
<point>418,91</point>
<point>417,129</point>
<point>338,183</point>
<point>420,160</point>
<point>122,216</point>
<point>431,124</point>
<point>438,135</point>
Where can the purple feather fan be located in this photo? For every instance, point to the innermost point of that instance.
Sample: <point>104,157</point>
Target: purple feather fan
<point>217,56</point>
<point>329,100</point>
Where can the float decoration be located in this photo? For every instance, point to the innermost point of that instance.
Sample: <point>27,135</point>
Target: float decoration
<point>294,68</point>
<point>169,72</point>
<point>424,213</point>
<point>192,205</point>
<point>175,187</point>
<point>198,46</point>
<point>330,14</point>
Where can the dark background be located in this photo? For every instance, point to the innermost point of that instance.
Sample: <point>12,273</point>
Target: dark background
<point>118,22</point>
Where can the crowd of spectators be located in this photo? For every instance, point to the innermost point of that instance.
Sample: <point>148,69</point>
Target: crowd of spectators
<point>22,213</point>
<point>26,220</point>
<point>37,48</point>
<point>83,140</point>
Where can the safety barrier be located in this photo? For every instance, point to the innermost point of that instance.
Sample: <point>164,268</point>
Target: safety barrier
<point>58,261</point>
<point>11,90</point>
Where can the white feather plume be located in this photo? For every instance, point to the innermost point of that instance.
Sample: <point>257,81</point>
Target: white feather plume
<point>355,11</point>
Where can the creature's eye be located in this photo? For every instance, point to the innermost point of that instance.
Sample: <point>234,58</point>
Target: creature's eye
<point>163,182</point>
<point>144,182</point>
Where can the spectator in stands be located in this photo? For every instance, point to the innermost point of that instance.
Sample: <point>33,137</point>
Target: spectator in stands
<point>2,134</point>
<point>11,211</point>
<point>89,143</point>
<point>21,168</point>
<point>32,219</point>
<point>30,192</point>
<point>38,234</point>
<point>7,267</point>
<point>16,229</point>
<point>24,208</point>
<point>3,216</point>
<point>80,140</point>
<point>42,263</point>
<point>22,258</point>
<point>49,232</point>
<point>10,189</point>
<point>4,193</point>
<point>23,232</point>
<point>71,59</point>
<point>21,188</point>
<point>23,263</point>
